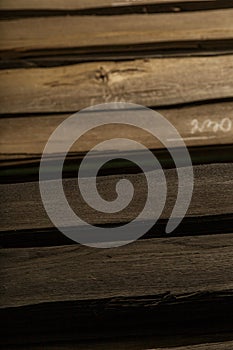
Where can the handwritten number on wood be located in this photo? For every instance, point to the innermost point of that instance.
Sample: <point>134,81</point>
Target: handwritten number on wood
<point>225,125</point>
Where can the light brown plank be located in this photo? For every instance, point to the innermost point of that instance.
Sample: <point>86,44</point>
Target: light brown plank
<point>79,4</point>
<point>152,82</point>
<point>41,34</point>
<point>20,35</point>
<point>22,208</point>
<point>206,124</point>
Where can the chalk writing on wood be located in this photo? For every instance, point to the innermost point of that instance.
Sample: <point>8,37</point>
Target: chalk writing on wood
<point>224,125</point>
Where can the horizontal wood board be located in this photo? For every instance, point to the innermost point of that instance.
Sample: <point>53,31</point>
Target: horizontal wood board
<point>22,208</point>
<point>155,82</point>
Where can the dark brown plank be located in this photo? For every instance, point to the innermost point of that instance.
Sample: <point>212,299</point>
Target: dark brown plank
<point>190,226</point>
<point>208,124</point>
<point>130,344</point>
<point>158,287</point>
<point>153,82</point>
<point>210,346</point>
<point>136,344</point>
<point>40,36</point>
<point>133,345</point>
<point>152,266</point>
<point>22,208</point>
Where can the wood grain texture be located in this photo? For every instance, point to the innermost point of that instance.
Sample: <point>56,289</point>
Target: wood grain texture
<point>156,287</point>
<point>152,82</point>
<point>169,292</point>
<point>142,344</point>
<point>137,344</point>
<point>208,124</point>
<point>210,346</point>
<point>22,208</point>
<point>38,34</point>
<point>80,4</point>
<point>18,168</point>
<point>26,9</point>
<point>152,267</point>
<point>190,226</point>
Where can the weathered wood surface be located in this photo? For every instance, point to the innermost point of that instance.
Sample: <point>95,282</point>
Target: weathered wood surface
<point>156,286</point>
<point>153,82</point>
<point>209,346</point>
<point>22,208</point>
<point>38,34</point>
<point>21,34</point>
<point>27,9</point>
<point>136,344</point>
<point>190,226</point>
<point>80,4</point>
<point>145,268</point>
<point>16,168</point>
<point>207,124</point>
<point>227,345</point>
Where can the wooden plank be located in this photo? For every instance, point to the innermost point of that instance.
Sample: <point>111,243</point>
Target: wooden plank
<point>15,168</point>
<point>210,346</point>
<point>190,226</point>
<point>81,273</point>
<point>180,286</point>
<point>208,124</point>
<point>64,59</point>
<point>38,35</point>
<point>80,4</point>
<point>22,208</point>
<point>26,9</point>
<point>103,8</point>
<point>154,82</point>
<point>130,344</point>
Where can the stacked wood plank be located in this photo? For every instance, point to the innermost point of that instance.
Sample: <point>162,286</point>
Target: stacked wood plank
<point>163,291</point>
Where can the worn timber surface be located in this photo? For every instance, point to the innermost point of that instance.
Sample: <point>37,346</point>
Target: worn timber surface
<point>79,4</point>
<point>200,125</point>
<point>216,346</point>
<point>147,343</point>
<point>163,291</point>
<point>80,273</point>
<point>25,36</point>
<point>155,82</point>
<point>22,207</point>
<point>153,285</point>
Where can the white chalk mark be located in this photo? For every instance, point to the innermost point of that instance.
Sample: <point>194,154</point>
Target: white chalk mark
<point>193,138</point>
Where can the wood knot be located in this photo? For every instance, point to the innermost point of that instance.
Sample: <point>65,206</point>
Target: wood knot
<point>101,75</point>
